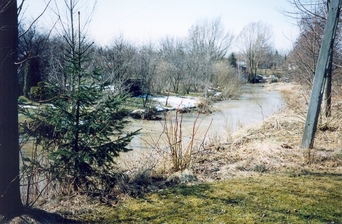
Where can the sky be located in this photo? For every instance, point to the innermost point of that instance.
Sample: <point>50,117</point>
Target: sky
<point>141,21</point>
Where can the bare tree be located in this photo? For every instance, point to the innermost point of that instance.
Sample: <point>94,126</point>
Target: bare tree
<point>210,37</point>
<point>118,63</point>
<point>254,41</point>
<point>307,8</point>
<point>56,53</point>
<point>32,57</point>
<point>174,56</point>
<point>306,48</point>
<point>145,70</point>
<point>207,44</point>
<point>311,17</point>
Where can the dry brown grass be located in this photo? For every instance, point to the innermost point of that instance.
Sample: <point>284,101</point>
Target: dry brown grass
<point>274,144</point>
<point>269,146</point>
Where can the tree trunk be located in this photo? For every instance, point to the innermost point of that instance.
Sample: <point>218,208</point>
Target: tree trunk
<point>10,201</point>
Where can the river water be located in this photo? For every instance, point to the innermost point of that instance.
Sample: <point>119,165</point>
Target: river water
<point>149,147</point>
<point>255,104</point>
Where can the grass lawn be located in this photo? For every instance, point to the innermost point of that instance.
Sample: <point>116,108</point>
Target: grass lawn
<point>262,198</point>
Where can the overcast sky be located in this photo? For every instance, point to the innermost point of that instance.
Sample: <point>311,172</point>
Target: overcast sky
<point>150,20</point>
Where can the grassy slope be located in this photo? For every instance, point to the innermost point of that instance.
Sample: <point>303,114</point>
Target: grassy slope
<point>266,198</point>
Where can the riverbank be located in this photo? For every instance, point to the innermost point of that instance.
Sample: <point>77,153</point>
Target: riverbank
<point>151,149</point>
<point>273,145</point>
<point>258,174</point>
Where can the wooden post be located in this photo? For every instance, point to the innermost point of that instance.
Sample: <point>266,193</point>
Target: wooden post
<point>319,81</point>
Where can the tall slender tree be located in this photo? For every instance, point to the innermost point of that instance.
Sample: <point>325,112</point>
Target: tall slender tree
<point>254,41</point>
<point>79,127</point>
<point>10,201</point>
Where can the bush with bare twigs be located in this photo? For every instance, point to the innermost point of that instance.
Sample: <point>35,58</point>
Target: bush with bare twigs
<point>181,151</point>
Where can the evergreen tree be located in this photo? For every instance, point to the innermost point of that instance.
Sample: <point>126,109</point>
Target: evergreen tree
<point>80,129</point>
<point>232,60</point>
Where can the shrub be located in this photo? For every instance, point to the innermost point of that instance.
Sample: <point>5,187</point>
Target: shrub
<point>182,152</point>
<point>23,100</point>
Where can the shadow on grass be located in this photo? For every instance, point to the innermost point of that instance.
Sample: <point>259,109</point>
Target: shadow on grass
<point>34,215</point>
<point>42,216</point>
<point>198,190</point>
<point>268,198</point>
<point>202,191</point>
<point>321,174</point>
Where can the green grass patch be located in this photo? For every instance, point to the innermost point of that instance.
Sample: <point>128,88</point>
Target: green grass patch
<point>278,72</point>
<point>259,199</point>
<point>132,103</point>
<point>195,94</point>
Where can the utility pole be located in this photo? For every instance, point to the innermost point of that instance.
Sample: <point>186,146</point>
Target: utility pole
<point>319,79</point>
